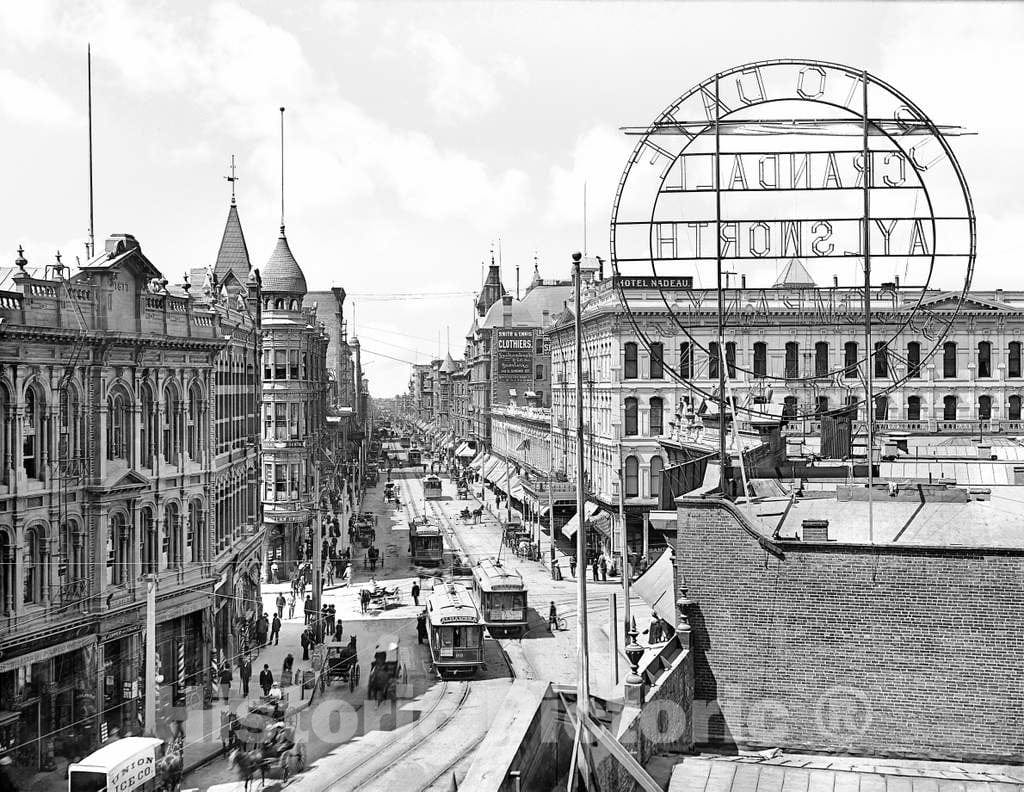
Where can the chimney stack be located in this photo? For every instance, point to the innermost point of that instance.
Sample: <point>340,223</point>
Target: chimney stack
<point>743,281</point>
<point>835,281</point>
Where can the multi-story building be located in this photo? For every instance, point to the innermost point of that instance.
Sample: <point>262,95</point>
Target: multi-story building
<point>295,386</point>
<point>460,402</point>
<point>506,352</point>
<point>795,345</point>
<point>126,401</point>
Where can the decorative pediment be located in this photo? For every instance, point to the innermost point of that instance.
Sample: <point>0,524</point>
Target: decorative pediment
<point>128,482</point>
<point>947,301</point>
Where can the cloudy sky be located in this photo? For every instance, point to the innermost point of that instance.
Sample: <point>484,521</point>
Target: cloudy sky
<point>417,134</point>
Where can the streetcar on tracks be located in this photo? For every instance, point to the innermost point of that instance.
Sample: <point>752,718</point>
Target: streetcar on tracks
<point>454,630</point>
<point>432,487</point>
<point>414,457</point>
<point>426,542</point>
<point>500,594</point>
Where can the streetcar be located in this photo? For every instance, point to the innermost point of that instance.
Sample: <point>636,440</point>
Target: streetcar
<point>432,487</point>
<point>454,630</point>
<point>414,457</point>
<point>500,594</point>
<point>404,442</point>
<point>426,544</point>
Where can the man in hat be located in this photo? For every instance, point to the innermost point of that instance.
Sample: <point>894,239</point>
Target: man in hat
<point>266,679</point>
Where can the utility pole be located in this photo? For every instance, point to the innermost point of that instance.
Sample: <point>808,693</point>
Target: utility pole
<point>723,474</point>
<point>317,539</point>
<point>150,702</point>
<point>583,684</point>
<point>625,552</point>
<point>869,359</point>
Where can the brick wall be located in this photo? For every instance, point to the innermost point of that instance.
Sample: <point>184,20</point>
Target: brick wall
<point>893,650</point>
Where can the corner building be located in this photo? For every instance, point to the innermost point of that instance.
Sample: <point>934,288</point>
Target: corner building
<point>295,385</point>
<point>111,383</point>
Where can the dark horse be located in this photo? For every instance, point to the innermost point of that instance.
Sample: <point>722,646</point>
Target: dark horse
<point>248,763</point>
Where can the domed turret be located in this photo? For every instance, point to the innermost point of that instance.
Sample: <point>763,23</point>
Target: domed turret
<point>282,274</point>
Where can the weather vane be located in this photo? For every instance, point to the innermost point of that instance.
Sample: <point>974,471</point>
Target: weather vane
<point>232,178</point>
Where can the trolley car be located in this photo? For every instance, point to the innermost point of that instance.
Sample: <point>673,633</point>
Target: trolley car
<point>432,488</point>
<point>414,457</point>
<point>426,544</point>
<point>501,596</point>
<point>454,631</point>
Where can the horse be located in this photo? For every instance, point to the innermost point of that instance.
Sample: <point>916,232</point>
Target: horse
<point>247,763</point>
<point>377,687</point>
<point>169,772</point>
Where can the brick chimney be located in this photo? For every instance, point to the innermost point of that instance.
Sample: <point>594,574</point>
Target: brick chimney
<point>506,310</point>
<point>815,530</point>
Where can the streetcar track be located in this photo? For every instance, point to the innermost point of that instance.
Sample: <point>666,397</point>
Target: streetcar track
<point>452,764</point>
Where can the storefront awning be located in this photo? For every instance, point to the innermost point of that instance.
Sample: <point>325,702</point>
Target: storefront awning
<point>514,486</point>
<point>480,461</point>
<point>602,521</point>
<point>464,451</point>
<point>495,469</point>
<point>570,528</point>
<point>655,587</point>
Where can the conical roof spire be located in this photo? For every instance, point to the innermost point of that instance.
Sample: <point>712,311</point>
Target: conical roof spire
<point>282,272</point>
<point>233,255</point>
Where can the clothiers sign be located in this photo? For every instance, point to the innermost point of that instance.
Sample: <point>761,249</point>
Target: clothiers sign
<point>513,354</point>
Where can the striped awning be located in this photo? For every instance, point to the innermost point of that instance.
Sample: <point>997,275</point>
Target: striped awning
<point>589,510</point>
<point>480,461</point>
<point>494,470</point>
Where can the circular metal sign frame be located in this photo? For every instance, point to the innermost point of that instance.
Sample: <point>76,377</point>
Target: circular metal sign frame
<point>727,99</point>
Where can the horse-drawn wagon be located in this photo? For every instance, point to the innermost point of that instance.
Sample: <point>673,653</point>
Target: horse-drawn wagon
<point>386,672</point>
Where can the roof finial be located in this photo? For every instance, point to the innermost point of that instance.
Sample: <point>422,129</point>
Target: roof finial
<point>492,254</point>
<point>21,261</point>
<point>282,171</point>
<point>232,178</point>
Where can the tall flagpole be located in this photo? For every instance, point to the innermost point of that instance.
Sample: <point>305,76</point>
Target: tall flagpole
<point>583,684</point>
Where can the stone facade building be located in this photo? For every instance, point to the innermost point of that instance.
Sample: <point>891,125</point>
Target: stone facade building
<point>295,387</point>
<point>129,412</point>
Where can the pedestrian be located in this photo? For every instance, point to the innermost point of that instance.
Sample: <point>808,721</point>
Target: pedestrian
<point>310,608</point>
<point>6,784</point>
<point>364,599</point>
<point>596,569</point>
<point>330,573</point>
<point>339,630</point>
<point>654,632</point>
<point>262,630</point>
<point>306,640</point>
<point>291,606</point>
<point>273,572</point>
<point>552,617</point>
<point>266,679</point>
<point>421,627</point>
<point>332,617</point>
<point>281,602</point>
<point>416,592</point>
<point>289,662</point>
<point>604,567</point>
<point>245,674</point>
<point>225,682</point>
<point>275,630</point>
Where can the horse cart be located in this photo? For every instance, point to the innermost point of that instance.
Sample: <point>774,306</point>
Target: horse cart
<point>340,664</point>
<point>386,672</point>
<point>365,529</point>
<point>265,743</point>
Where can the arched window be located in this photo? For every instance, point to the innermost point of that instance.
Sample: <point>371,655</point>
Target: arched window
<point>118,551</point>
<point>881,408</point>
<point>632,477</point>
<point>119,425</point>
<point>760,359</point>
<point>7,567</point>
<point>1013,413</point>
<point>949,408</point>
<point>34,562</point>
<point>949,360</point>
<point>172,529</point>
<point>821,405</point>
<point>196,526</point>
<point>685,360</point>
<point>657,416</point>
<point>657,467</point>
<point>149,421</point>
<point>914,360</point>
<point>540,373</point>
<point>71,424</point>
<point>150,543</point>
<point>792,360</point>
<point>631,418</point>
<point>913,408</point>
<point>294,305</point>
<point>171,425</point>
<point>984,359</point>
<point>881,359</point>
<point>1013,362</point>
<point>850,359</point>
<point>821,359</point>
<point>279,304</point>
<point>657,360</point>
<point>34,439</point>
<point>984,408</point>
<point>195,422</point>
<point>630,371</point>
<point>789,407</point>
<point>714,360</point>
<point>730,359</point>
<point>6,432</point>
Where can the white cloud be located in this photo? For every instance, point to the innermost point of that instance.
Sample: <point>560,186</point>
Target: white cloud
<point>30,102</point>
<point>597,158</point>
<point>459,89</point>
